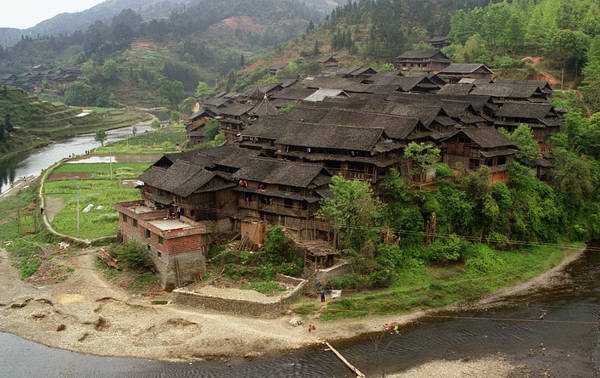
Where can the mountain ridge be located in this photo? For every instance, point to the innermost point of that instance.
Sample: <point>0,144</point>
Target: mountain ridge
<point>66,23</point>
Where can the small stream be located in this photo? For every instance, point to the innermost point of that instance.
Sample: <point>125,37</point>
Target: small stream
<point>33,162</point>
<point>554,331</point>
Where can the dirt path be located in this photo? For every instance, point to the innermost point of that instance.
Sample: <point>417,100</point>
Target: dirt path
<point>54,205</point>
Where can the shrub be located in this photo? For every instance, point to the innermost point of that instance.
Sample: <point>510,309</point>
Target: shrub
<point>348,282</point>
<point>264,287</point>
<point>498,240</point>
<point>277,247</point>
<point>133,254</point>
<point>381,279</point>
<point>442,170</point>
<point>484,260</point>
<point>449,249</point>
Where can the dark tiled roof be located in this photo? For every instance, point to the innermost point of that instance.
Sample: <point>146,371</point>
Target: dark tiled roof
<point>524,110</point>
<point>236,109</point>
<point>294,93</point>
<point>306,114</point>
<point>515,90</point>
<point>423,54</point>
<point>456,89</point>
<point>265,108</point>
<point>279,172</point>
<point>396,127</point>
<point>182,178</point>
<point>331,137</point>
<point>485,137</point>
<point>464,68</point>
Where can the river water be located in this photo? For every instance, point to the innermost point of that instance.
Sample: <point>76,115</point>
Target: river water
<point>551,331</point>
<point>32,163</point>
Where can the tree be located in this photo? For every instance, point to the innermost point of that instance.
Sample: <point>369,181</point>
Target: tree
<point>423,157</point>
<point>475,50</point>
<point>352,209</point>
<point>110,70</point>
<point>101,137</point>
<point>570,47</point>
<point>203,90</point>
<point>242,61</point>
<point>591,83</point>
<point>80,94</point>
<point>522,136</point>
<point>316,48</point>
<point>172,91</point>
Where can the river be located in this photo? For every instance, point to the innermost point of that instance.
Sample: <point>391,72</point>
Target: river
<point>33,162</point>
<point>551,331</point>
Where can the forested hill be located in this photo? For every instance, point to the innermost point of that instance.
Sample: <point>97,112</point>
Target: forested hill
<point>133,61</point>
<point>67,23</point>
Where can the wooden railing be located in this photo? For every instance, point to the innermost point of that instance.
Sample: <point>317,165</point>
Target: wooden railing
<point>353,175</point>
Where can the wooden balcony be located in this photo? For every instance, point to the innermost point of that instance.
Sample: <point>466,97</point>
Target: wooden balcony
<point>278,209</point>
<point>353,175</point>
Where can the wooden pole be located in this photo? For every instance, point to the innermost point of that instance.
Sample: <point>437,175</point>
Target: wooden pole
<point>78,195</point>
<point>358,373</point>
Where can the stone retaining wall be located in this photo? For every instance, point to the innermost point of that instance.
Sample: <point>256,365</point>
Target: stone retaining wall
<point>272,309</point>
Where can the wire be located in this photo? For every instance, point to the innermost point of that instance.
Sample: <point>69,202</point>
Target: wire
<point>566,322</point>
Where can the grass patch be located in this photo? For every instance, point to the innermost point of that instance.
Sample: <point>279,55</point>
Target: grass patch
<point>269,288</point>
<point>102,221</point>
<point>20,234</point>
<point>102,170</point>
<point>306,308</point>
<point>164,140</point>
<point>143,282</point>
<point>430,287</point>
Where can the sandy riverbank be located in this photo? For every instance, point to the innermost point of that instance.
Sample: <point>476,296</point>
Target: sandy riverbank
<point>86,314</point>
<point>493,367</point>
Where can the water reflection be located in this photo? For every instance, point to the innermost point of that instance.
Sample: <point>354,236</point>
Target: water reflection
<point>32,164</point>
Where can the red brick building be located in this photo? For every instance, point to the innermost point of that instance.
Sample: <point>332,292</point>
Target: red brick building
<point>176,246</point>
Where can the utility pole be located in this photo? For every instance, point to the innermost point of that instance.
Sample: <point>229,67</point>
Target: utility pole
<point>78,200</point>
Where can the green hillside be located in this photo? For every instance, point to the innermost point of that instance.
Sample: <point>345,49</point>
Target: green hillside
<point>38,122</point>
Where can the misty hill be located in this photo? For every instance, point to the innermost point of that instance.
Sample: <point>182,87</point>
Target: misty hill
<point>135,61</point>
<point>67,23</point>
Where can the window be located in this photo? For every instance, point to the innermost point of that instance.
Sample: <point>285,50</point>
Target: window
<point>124,217</point>
<point>135,223</point>
<point>489,162</point>
<point>161,240</point>
<point>147,234</point>
<point>501,160</point>
<point>288,203</point>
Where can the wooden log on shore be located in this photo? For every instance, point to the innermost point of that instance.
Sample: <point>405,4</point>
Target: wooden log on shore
<point>353,368</point>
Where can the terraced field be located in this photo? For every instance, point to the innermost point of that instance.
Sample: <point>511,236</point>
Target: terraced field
<point>39,122</point>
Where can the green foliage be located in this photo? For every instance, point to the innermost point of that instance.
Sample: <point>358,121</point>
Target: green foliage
<point>203,90</point>
<point>211,130</point>
<point>172,92</point>
<point>446,250</point>
<point>133,254</point>
<point>484,260</point>
<point>277,246</point>
<point>522,137</point>
<point>423,157</point>
<point>100,137</point>
<point>352,209</point>
<point>268,288</point>
<point>79,94</point>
